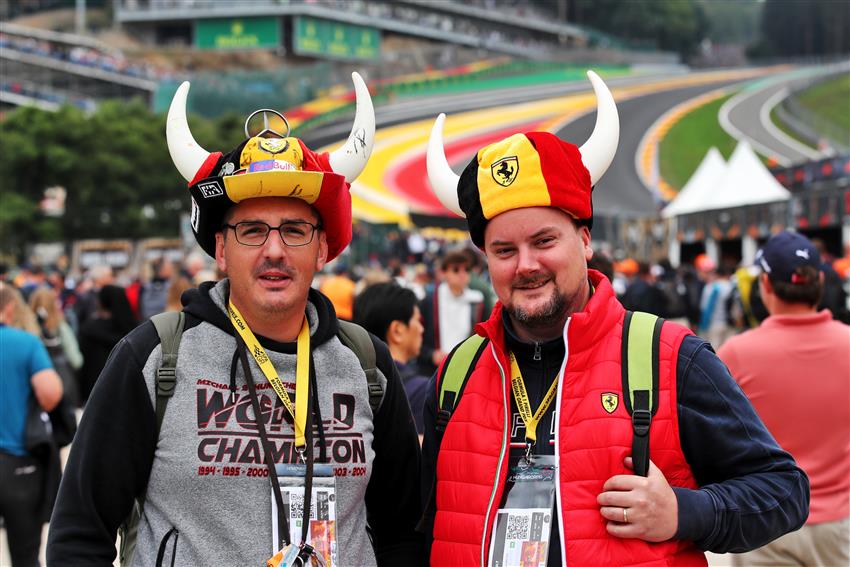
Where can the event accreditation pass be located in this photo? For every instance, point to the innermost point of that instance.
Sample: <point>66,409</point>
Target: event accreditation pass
<point>321,533</point>
<point>523,525</point>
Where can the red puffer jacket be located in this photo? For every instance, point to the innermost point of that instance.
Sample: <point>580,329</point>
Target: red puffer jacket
<point>590,443</point>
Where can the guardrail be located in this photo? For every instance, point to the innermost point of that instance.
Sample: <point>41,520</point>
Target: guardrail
<point>810,126</point>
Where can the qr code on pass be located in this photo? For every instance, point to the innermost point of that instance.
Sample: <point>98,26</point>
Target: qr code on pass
<point>296,506</point>
<point>518,527</point>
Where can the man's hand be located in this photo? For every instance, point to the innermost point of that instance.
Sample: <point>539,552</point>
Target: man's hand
<point>652,511</point>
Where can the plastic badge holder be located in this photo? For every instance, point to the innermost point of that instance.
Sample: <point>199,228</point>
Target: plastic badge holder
<point>523,524</point>
<point>322,529</point>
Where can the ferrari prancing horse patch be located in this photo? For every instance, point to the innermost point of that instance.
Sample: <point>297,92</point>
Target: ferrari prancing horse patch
<point>610,401</point>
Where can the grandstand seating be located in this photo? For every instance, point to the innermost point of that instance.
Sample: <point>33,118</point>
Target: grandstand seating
<point>530,36</point>
<point>48,68</point>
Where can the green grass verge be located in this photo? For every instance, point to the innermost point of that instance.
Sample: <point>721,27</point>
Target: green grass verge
<point>830,100</point>
<point>461,84</point>
<point>687,142</point>
<point>779,123</point>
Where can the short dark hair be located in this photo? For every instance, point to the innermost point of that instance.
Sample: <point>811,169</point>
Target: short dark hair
<point>456,258</point>
<point>377,306</point>
<point>809,292</point>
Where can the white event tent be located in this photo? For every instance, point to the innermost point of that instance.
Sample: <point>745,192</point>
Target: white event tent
<point>699,188</point>
<point>743,181</point>
<point>747,182</point>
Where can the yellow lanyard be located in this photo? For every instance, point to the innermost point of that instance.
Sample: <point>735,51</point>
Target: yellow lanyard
<point>523,405</point>
<point>302,371</point>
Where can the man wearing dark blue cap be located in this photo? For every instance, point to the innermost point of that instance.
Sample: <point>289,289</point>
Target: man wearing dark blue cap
<point>795,368</point>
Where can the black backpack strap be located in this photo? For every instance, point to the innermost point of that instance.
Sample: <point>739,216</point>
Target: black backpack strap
<point>169,327</point>
<point>358,340</point>
<point>640,344</point>
<point>456,370</point>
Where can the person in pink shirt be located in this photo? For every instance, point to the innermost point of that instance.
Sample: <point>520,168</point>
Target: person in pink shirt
<point>795,369</point>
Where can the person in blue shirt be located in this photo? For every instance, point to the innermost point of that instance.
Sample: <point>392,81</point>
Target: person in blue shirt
<point>25,371</point>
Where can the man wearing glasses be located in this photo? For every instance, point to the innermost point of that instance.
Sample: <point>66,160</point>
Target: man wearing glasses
<point>328,474</point>
<point>450,310</point>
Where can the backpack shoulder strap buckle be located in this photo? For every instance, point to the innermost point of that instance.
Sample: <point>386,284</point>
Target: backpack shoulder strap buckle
<point>641,419</point>
<point>166,378</point>
<point>640,376</point>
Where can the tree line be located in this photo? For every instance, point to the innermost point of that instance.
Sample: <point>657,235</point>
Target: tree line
<point>771,28</point>
<point>114,165</point>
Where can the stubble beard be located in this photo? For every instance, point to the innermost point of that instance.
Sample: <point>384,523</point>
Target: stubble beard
<point>544,316</point>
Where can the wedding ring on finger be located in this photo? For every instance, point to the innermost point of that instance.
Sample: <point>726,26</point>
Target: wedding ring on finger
<point>625,516</point>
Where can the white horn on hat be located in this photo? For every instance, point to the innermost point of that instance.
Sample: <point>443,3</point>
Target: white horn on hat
<point>443,180</point>
<point>598,151</point>
<point>351,158</point>
<point>185,152</point>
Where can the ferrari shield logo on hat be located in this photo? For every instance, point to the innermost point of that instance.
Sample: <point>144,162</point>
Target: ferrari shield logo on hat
<point>505,170</point>
<point>555,173</point>
<point>610,401</point>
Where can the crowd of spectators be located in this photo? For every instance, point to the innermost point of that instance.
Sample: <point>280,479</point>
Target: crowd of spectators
<point>40,92</point>
<point>485,32</point>
<point>113,62</point>
<point>716,301</point>
<point>408,289</point>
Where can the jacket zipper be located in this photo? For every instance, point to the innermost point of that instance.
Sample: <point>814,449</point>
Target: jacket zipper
<point>501,457</point>
<point>558,445</point>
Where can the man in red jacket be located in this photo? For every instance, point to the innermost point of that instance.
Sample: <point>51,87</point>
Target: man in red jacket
<point>804,381</point>
<point>534,462</point>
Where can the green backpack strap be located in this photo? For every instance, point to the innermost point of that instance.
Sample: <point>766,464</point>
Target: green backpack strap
<point>169,326</point>
<point>358,340</point>
<point>455,372</point>
<point>640,343</point>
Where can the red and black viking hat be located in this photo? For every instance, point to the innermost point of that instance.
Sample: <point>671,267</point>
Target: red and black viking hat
<point>534,169</point>
<point>270,165</point>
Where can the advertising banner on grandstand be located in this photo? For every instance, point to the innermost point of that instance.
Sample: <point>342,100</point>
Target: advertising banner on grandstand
<point>314,36</point>
<point>240,33</point>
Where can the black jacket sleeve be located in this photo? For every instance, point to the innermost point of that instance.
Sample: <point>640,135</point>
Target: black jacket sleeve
<point>110,460</point>
<point>751,491</point>
<point>392,497</point>
<point>430,451</point>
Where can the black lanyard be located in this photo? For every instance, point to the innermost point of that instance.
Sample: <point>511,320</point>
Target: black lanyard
<point>282,521</point>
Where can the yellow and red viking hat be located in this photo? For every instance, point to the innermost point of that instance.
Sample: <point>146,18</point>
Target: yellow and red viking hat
<point>534,169</point>
<point>268,165</point>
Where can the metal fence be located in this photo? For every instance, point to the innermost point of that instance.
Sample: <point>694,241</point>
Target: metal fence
<point>813,127</point>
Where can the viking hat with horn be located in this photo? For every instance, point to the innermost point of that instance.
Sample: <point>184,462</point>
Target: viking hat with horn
<point>271,165</point>
<point>535,169</point>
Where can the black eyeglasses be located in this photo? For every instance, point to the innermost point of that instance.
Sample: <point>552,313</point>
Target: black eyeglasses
<point>255,233</point>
